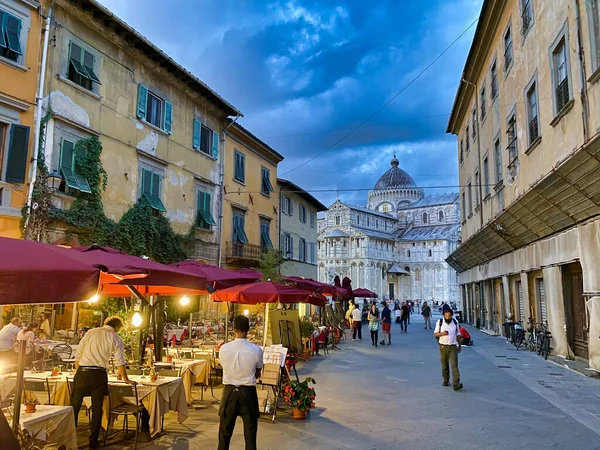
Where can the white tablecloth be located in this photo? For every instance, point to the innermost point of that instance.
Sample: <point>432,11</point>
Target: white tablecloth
<point>53,424</point>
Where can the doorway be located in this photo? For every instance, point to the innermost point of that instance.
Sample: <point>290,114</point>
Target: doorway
<point>391,291</point>
<point>577,320</point>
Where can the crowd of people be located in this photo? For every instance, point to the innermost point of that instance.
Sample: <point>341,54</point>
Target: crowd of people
<point>16,330</point>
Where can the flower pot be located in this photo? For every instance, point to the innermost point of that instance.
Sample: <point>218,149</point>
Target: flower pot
<point>153,378</point>
<point>169,359</point>
<point>298,415</point>
<point>29,407</point>
<point>307,355</point>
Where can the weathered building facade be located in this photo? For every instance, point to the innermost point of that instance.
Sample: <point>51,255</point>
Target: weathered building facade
<point>251,198</point>
<point>20,43</point>
<point>527,118</point>
<point>396,246</point>
<point>161,128</point>
<point>298,233</point>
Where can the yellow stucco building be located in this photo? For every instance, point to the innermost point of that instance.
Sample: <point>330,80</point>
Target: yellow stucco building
<point>20,30</point>
<point>251,198</point>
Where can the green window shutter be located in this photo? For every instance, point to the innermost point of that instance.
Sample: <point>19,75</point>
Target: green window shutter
<point>12,31</point>
<point>146,181</point>
<point>18,149</point>
<point>75,59</point>
<point>215,145</point>
<point>242,168</point>
<point>142,101</point>
<point>88,66</point>
<point>196,136</point>
<point>168,119</point>
<point>153,196</point>
<point>66,163</point>
<point>243,236</point>
<point>204,210</point>
<point>264,234</point>
<point>84,186</point>
<point>200,206</point>
<point>2,39</point>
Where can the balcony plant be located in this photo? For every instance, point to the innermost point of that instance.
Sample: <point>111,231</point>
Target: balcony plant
<point>300,396</point>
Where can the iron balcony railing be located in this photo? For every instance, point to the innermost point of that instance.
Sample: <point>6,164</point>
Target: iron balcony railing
<point>562,94</point>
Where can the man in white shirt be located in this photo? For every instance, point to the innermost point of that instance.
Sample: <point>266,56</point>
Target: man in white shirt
<point>8,336</point>
<point>448,333</point>
<point>356,323</point>
<point>92,361</point>
<point>242,363</point>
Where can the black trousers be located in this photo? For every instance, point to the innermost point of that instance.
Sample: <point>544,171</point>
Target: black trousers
<point>238,401</point>
<point>404,324</point>
<point>93,383</point>
<point>357,329</point>
<point>374,337</point>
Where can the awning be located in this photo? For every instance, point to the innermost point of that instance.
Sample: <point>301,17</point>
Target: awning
<point>396,269</point>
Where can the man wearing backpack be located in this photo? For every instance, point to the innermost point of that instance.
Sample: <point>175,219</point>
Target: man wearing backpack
<point>447,332</point>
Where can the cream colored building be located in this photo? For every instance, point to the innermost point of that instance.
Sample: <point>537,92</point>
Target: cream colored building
<point>527,119</point>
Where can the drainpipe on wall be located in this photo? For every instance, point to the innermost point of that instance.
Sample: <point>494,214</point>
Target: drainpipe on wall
<point>222,190</point>
<point>478,150</point>
<point>38,114</point>
<point>585,110</point>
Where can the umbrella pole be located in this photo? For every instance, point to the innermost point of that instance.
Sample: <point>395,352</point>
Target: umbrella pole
<point>266,326</point>
<point>19,386</point>
<point>226,324</point>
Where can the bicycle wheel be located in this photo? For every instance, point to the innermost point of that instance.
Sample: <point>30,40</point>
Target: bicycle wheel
<point>520,338</point>
<point>546,347</point>
<point>531,342</point>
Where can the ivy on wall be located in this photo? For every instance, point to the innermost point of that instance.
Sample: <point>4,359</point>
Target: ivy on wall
<point>139,232</point>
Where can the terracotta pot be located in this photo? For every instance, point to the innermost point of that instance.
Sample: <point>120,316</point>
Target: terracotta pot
<point>298,415</point>
<point>307,355</point>
<point>153,378</point>
<point>29,407</point>
<point>336,340</point>
<point>169,359</point>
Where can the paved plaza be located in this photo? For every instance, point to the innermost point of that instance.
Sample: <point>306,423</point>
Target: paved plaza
<point>392,398</point>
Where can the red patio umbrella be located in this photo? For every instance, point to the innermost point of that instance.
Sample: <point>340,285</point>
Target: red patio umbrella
<point>363,293</point>
<point>160,279</point>
<point>309,284</point>
<point>217,277</point>
<point>347,285</point>
<point>267,292</point>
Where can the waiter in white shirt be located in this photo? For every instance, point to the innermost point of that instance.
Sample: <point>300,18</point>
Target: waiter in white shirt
<point>242,363</point>
<point>447,331</point>
<point>92,362</point>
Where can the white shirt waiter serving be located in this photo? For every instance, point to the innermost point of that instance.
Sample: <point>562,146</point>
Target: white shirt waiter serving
<point>98,346</point>
<point>240,360</point>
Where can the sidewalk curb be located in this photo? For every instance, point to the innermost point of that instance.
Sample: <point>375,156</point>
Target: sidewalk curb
<point>575,366</point>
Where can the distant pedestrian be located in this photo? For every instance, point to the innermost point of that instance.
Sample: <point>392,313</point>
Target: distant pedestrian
<point>404,321</point>
<point>447,332</point>
<point>426,312</point>
<point>386,324</point>
<point>465,337</point>
<point>373,318</point>
<point>351,307</point>
<point>397,312</point>
<point>356,319</point>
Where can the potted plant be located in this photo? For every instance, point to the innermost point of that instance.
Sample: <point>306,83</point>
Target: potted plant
<point>306,331</point>
<point>153,375</point>
<point>30,405</point>
<point>300,396</point>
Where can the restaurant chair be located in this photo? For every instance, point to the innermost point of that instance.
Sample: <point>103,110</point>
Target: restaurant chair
<point>116,393</point>
<point>186,353</point>
<point>209,362</point>
<point>38,388</point>
<point>62,352</point>
<point>70,386</point>
<point>169,372</point>
<point>134,371</point>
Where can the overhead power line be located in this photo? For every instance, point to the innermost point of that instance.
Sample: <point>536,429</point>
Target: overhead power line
<point>386,103</point>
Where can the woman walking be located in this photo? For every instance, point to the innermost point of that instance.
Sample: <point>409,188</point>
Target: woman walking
<point>373,318</point>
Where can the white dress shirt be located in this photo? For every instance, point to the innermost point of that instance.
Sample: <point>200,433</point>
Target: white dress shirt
<point>8,336</point>
<point>240,360</point>
<point>98,345</point>
<point>451,328</point>
<point>27,336</point>
<point>356,315</point>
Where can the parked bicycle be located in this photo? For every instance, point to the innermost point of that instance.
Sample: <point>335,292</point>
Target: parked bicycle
<point>519,335</point>
<point>544,341</point>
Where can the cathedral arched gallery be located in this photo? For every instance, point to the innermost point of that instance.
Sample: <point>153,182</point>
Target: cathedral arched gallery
<point>396,245</point>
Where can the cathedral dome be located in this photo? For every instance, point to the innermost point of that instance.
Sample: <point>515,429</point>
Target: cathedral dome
<point>395,177</point>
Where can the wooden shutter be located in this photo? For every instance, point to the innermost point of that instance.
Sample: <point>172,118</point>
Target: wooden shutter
<point>196,135</point>
<point>142,101</point>
<point>291,209</point>
<point>200,205</point>
<point>2,39</point>
<point>215,145</point>
<point>82,182</point>
<point>155,189</point>
<point>88,66</point>
<point>18,150</point>
<point>12,29</point>
<point>168,119</point>
<point>66,163</point>
<point>75,59</point>
<point>146,181</point>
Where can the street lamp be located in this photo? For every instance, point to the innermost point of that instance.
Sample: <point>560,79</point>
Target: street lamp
<point>93,299</point>
<point>184,301</point>
<point>136,319</point>
<point>54,180</point>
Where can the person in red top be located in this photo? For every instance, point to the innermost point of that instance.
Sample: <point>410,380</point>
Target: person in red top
<point>465,337</point>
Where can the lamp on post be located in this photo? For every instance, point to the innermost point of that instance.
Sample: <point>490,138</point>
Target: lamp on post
<point>54,180</point>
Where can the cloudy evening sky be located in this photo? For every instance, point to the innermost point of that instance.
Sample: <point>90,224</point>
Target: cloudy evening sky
<point>305,72</point>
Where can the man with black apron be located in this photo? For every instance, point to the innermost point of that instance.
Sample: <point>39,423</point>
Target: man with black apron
<point>242,364</point>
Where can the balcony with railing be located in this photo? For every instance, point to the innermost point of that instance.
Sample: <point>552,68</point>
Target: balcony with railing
<point>240,251</point>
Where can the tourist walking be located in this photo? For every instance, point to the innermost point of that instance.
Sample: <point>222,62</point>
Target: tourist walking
<point>356,318</point>
<point>404,317</point>
<point>242,364</point>
<point>373,319</point>
<point>351,307</point>
<point>447,332</point>
<point>92,361</point>
<point>397,312</point>
<point>426,312</point>
<point>386,324</point>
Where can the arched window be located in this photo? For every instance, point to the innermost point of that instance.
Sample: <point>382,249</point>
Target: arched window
<point>425,218</point>
<point>441,216</point>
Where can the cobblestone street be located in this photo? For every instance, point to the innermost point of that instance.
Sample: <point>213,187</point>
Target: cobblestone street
<point>392,398</point>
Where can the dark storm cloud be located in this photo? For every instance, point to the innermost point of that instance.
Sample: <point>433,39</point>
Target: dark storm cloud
<point>305,72</point>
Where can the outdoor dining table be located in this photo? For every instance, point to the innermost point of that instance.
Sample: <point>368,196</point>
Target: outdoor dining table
<point>59,391</point>
<point>158,397</point>
<point>192,372</point>
<point>52,424</point>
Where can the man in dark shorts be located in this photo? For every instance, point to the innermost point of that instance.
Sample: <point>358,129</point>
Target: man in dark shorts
<point>386,324</point>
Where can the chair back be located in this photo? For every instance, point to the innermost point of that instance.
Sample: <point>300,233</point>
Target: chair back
<point>61,351</point>
<point>39,388</point>
<point>169,372</point>
<point>186,353</point>
<point>134,371</point>
<point>118,391</point>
